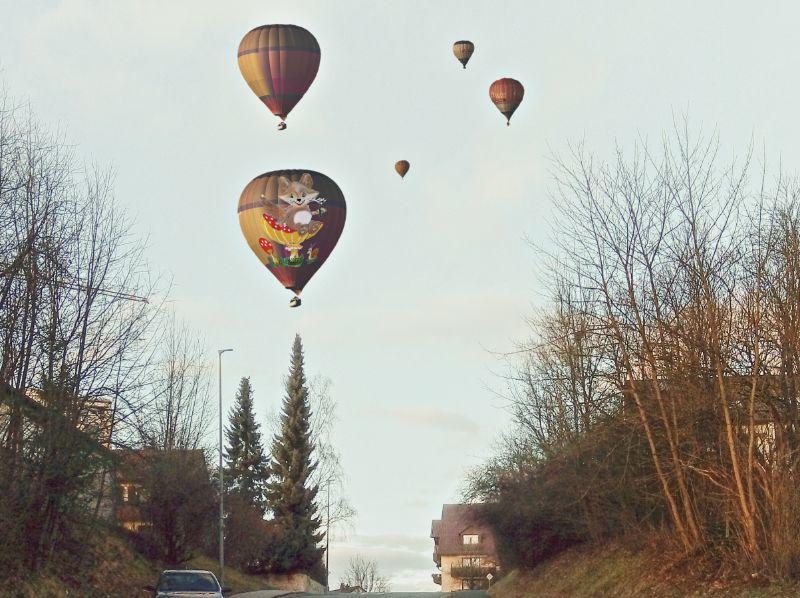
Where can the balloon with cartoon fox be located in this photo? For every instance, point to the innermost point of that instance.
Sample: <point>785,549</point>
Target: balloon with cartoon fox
<point>292,219</point>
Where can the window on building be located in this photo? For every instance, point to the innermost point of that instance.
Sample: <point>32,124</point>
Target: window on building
<point>765,438</point>
<point>471,561</point>
<point>130,493</point>
<point>471,538</point>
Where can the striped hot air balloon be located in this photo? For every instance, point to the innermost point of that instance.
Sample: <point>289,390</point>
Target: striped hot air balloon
<point>402,166</point>
<point>506,94</point>
<point>463,51</point>
<point>292,220</point>
<point>279,63</point>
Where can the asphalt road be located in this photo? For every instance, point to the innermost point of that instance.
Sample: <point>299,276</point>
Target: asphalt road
<point>465,594</point>
<point>462,594</point>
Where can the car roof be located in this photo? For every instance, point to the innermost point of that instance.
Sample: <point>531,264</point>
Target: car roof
<point>186,571</point>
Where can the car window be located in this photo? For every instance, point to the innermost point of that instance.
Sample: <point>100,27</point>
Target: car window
<point>187,581</point>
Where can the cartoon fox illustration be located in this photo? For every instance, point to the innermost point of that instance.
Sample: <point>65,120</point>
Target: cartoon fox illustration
<point>296,212</point>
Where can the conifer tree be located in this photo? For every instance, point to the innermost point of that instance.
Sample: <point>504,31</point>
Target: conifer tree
<point>290,495</point>
<point>247,467</point>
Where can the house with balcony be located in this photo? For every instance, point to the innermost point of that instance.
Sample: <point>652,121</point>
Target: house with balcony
<point>463,549</point>
<point>131,477</point>
<point>84,422</point>
<point>130,482</point>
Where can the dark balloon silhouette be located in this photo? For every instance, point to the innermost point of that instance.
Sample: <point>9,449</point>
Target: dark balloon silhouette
<point>402,167</point>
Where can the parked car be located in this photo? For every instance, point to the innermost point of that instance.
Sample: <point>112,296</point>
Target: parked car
<point>180,583</point>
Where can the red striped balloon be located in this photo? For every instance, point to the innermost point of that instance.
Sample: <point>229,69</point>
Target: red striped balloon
<point>507,95</point>
<point>279,63</point>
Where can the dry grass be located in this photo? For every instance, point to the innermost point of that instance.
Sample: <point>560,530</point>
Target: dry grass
<point>627,572</point>
<point>115,569</point>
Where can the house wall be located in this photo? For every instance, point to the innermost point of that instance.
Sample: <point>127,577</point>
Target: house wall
<point>453,584</point>
<point>295,582</point>
<point>449,584</point>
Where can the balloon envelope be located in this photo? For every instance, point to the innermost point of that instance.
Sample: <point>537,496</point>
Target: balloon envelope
<point>279,63</point>
<point>402,167</point>
<point>506,94</point>
<point>463,51</point>
<point>292,220</point>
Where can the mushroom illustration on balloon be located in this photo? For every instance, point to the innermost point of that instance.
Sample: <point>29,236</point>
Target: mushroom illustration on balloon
<point>289,222</point>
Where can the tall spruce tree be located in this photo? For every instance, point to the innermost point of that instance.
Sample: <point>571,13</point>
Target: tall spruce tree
<point>290,496</point>
<point>247,468</point>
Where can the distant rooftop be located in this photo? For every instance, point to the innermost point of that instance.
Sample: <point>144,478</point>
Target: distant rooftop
<point>459,520</point>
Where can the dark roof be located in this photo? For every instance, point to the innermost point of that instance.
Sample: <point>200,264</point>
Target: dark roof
<point>132,463</point>
<point>456,521</point>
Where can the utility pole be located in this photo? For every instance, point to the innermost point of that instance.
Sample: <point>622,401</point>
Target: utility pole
<point>221,486</point>
<point>328,542</point>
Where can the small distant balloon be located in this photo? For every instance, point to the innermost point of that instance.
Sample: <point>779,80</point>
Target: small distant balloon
<point>402,167</point>
<point>507,95</point>
<point>463,51</point>
<point>279,63</point>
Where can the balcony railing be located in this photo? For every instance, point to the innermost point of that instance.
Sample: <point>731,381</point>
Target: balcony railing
<point>472,571</point>
<point>463,549</point>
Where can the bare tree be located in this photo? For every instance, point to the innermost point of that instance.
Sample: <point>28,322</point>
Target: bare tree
<point>661,381</point>
<point>363,573</point>
<point>329,474</point>
<point>175,411</point>
<point>72,339</point>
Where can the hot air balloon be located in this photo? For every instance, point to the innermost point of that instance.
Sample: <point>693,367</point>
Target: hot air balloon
<point>463,50</point>
<point>402,167</point>
<point>279,63</point>
<point>292,220</point>
<point>506,94</point>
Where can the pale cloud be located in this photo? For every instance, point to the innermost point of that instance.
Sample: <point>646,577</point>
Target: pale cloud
<point>406,560</point>
<point>392,541</point>
<point>434,417</point>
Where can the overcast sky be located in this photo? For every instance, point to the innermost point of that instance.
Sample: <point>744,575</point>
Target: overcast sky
<point>432,273</point>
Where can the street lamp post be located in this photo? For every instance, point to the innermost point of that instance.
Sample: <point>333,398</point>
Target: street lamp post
<point>221,486</point>
<point>328,543</point>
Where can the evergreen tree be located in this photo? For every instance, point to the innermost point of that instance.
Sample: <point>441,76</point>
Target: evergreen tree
<point>246,468</point>
<point>290,495</point>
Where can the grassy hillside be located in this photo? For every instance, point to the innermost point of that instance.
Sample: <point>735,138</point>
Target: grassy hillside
<point>115,569</point>
<point>631,571</point>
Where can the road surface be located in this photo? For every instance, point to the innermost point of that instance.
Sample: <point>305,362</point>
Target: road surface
<point>274,594</point>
